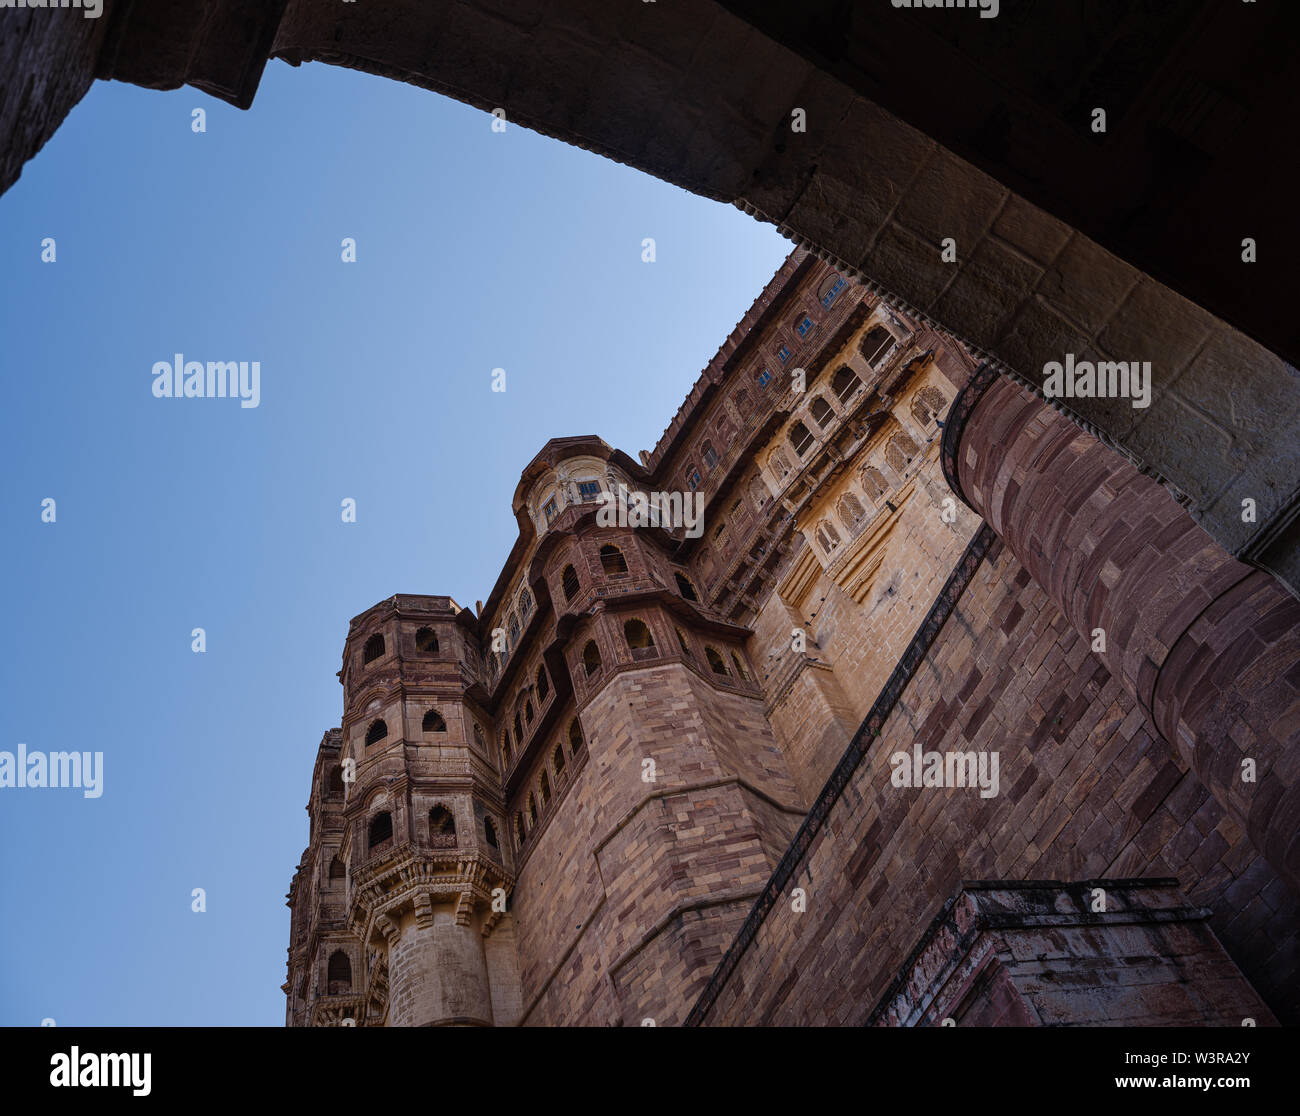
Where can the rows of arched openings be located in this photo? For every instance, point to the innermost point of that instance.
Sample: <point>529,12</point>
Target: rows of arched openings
<point>900,451</point>
<point>433,721</point>
<point>641,642</point>
<point>426,643</point>
<point>442,834</point>
<point>613,563</point>
<point>524,716</point>
<point>540,797</point>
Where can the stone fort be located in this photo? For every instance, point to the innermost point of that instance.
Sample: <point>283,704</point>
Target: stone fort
<point>657,777</point>
<point>1102,596</point>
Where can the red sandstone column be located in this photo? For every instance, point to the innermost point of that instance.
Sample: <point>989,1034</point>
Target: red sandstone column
<point>1209,647</point>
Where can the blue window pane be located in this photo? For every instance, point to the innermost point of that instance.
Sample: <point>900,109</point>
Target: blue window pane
<point>831,295</point>
<point>783,353</point>
<point>805,327</point>
<point>764,378</point>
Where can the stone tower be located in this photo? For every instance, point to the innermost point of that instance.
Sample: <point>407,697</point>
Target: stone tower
<point>423,821</point>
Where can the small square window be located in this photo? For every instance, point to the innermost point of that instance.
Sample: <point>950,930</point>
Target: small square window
<point>693,479</point>
<point>764,378</point>
<point>589,490</point>
<point>783,353</point>
<point>710,457</point>
<point>550,511</point>
<point>805,327</point>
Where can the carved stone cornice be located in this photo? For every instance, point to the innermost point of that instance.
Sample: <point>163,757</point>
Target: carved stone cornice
<point>409,878</point>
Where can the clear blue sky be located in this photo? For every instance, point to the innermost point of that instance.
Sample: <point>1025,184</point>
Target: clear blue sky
<point>475,250</point>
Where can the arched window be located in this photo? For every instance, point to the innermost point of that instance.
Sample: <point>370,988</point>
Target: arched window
<point>525,603</point>
<point>899,452</point>
<point>741,672</point>
<point>339,973</point>
<point>544,787</point>
<point>780,464</point>
<point>920,411</point>
<point>569,582</point>
<point>338,870</point>
<point>612,561</point>
<point>519,730</point>
<point>800,438</point>
<point>519,829</point>
<point>543,684</point>
<point>685,587</point>
<point>827,537</point>
<point>514,630</point>
<point>927,405</point>
<point>336,782</point>
<point>478,739</point>
<point>528,712</point>
<point>639,639</point>
<point>381,829</point>
<point>716,662</point>
<point>710,455</point>
<point>935,398</point>
<point>433,722</point>
<point>845,382</point>
<point>490,833</point>
<point>822,413</point>
<point>758,492</point>
<point>532,810</point>
<point>575,737</point>
<point>831,289</point>
<point>875,344</point>
<point>442,828</point>
<point>693,478</point>
<point>557,759</point>
<point>686,647</point>
<point>851,510</point>
<point>591,658</point>
<point>426,641</point>
<point>873,481</point>
<point>374,648</point>
<point>507,745</point>
<point>376,732</point>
